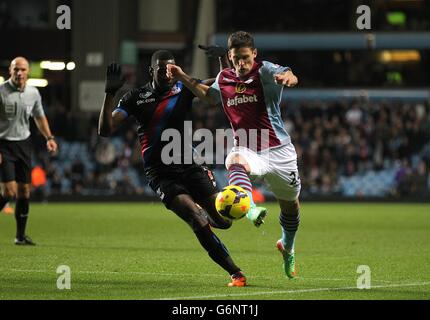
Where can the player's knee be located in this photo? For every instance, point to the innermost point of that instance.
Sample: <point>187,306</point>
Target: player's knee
<point>187,210</point>
<point>214,218</point>
<point>197,221</point>
<point>23,192</point>
<point>237,159</point>
<point>9,193</point>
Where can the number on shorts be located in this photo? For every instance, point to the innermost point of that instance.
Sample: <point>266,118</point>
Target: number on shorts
<point>294,179</point>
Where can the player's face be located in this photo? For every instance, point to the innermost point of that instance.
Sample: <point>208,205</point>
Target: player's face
<point>243,60</point>
<point>159,75</point>
<point>19,72</point>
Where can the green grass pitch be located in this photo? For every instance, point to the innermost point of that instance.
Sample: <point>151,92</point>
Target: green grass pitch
<point>143,251</point>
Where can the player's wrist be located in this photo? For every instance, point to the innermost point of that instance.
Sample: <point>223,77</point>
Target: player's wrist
<point>49,138</point>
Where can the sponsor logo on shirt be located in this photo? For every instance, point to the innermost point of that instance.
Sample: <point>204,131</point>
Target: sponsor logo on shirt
<point>145,95</point>
<point>240,88</point>
<point>175,90</point>
<point>238,100</point>
<point>139,102</point>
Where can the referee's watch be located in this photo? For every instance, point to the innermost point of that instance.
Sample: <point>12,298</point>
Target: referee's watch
<point>50,138</point>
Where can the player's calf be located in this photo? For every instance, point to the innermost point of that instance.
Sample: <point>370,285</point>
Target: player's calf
<point>208,209</point>
<point>3,201</point>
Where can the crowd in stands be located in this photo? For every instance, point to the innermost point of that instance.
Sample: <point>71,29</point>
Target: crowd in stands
<point>345,148</point>
<point>339,141</point>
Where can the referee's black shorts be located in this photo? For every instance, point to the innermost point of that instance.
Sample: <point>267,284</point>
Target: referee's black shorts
<point>171,181</point>
<point>15,157</point>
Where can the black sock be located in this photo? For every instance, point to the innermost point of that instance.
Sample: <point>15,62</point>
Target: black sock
<point>216,249</point>
<point>3,202</point>
<point>21,215</point>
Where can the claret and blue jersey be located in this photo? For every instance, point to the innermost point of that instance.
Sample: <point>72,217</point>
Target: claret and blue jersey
<point>254,102</point>
<point>155,112</point>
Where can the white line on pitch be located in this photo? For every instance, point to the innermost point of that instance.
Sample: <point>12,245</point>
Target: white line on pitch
<point>178,274</point>
<point>293,291</point>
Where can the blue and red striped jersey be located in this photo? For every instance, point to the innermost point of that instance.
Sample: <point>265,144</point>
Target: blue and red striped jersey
<point>155,112</point>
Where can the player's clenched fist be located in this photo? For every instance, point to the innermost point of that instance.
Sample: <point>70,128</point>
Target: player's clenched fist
<point>173,71</point>
<point>286,79</point>
<point>52,146</point>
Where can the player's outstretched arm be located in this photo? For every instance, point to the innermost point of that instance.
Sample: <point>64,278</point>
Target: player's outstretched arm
<point>199,89</point>
<point>108,122</point>
<point>287,79</point>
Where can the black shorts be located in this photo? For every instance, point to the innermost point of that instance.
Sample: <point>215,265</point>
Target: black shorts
<point>15,161</point>
<point>171,181</point>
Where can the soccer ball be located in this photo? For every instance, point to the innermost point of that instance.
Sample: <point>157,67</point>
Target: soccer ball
<point>232,202</point>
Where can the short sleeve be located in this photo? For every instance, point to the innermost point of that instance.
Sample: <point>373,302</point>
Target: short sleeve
<point>268,70</point>
<point>38,111</point>
<point>214,91</point>
<point>125,104</point>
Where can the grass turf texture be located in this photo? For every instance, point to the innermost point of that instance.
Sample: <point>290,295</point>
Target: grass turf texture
<point>143,251</point>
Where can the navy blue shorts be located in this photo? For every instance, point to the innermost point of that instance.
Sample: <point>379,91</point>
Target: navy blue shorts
<point>170,181</point>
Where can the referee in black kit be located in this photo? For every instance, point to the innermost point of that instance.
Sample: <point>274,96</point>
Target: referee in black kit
<point>18,102</point>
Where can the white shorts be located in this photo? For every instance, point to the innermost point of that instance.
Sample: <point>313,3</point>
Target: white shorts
<point>277,166</point>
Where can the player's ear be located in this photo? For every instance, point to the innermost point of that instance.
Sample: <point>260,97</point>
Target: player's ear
<point>254,53</point>
<point>151,72</point>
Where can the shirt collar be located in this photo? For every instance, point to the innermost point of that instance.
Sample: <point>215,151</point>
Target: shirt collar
<point>15,88</point>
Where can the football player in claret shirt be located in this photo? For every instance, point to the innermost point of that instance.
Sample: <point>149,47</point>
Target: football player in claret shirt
<point>184,188</point>
<point>250,94</point>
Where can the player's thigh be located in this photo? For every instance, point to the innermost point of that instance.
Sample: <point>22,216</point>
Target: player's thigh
<point>7,171</point>
<point>7,163</point>
<point>7,176</point>
<point>285,185</point>
<point>167,188</point>
<point>201,183</point>
<point>22,150</point>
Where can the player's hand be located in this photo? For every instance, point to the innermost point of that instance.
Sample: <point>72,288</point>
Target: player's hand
<point>213,51</point>
<point>286,79</point>
<point>114,79</point>
<point>173,72</point>
<point>52,146</point>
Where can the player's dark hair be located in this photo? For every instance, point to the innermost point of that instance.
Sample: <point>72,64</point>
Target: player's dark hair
<point>240,39</point>
<point>161,55</point>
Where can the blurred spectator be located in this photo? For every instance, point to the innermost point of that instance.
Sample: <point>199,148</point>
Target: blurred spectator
<point>38,182</point>
<point>105,154</point>
<point>417,181</point>
<point>77,173</point>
